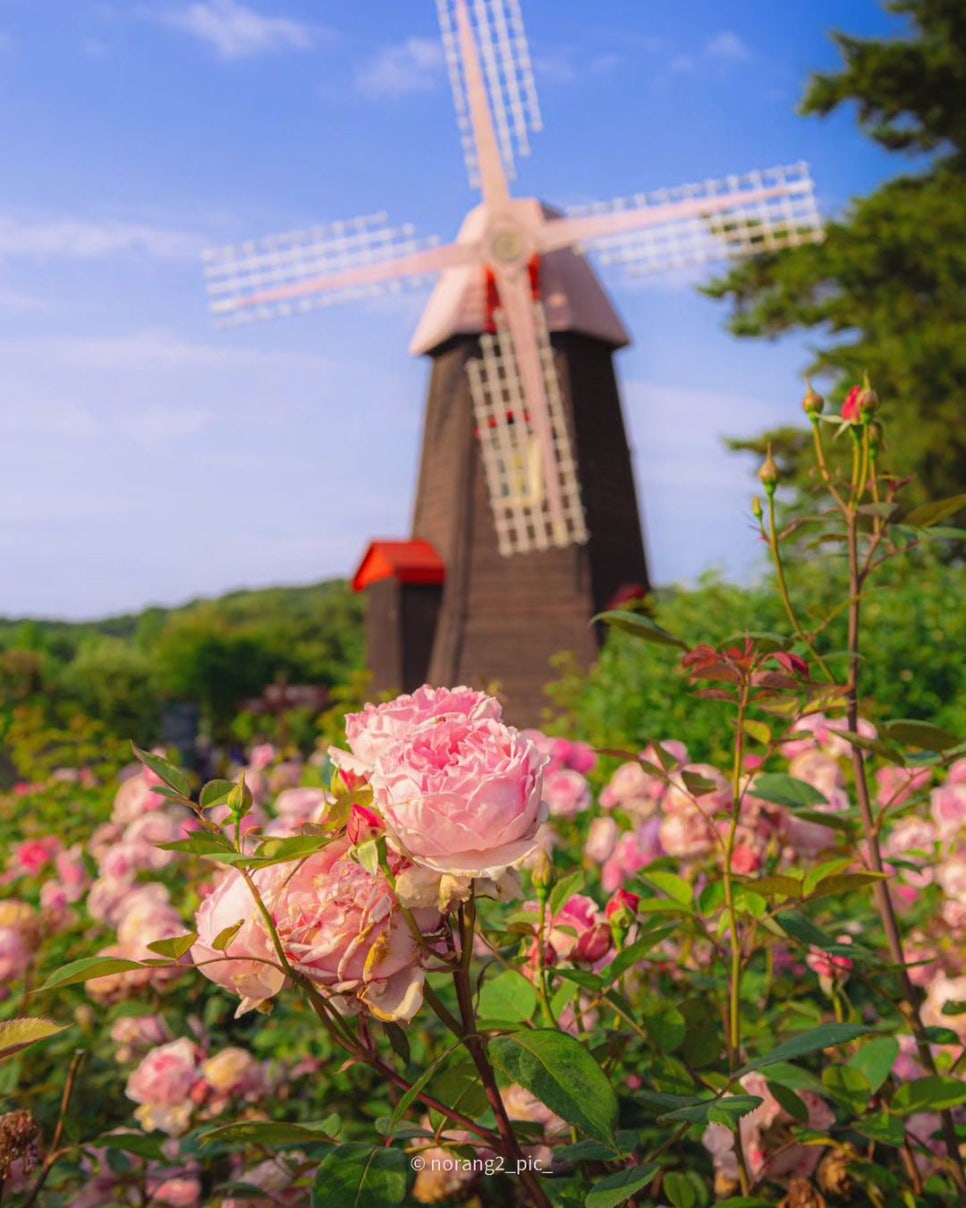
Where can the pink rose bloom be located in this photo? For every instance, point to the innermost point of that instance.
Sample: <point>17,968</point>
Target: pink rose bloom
<point>913,839</point>
<point>563,754</point>
<point>135,797</point>
<point>951,875</point>
<point>579,932</point>
<point>601,838</point>
<point>631,853</point>
<point>234,1071</point>
<point>567,793</point>
<point>370,732</point>
<point>633,790</point>
<point>948,807</point>
<point>15,955</point>
<point>830,968</point>
<point>764,1136</point>
<point>135,1034</point>
<point>819,770</point>
<point>175,1190</point>
<point>72,873</point>
<point>162,1084</point>
<point>248,966</point>
<point>275,1177</point>
<point>261,757</point>
<point>33,855</point>
<point>341,927</point>
<point>462,796</point>
<point>298,806</point>
<point>897,785</point>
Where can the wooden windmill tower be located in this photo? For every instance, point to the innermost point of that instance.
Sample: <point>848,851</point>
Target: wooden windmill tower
<point>526,520</point>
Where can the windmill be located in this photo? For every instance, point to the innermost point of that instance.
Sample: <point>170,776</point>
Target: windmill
<point>526,519</point>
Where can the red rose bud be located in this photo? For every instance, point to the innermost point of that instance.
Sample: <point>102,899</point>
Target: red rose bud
<point>812,404</point>
<point>363,824</point>
<point>850,408</point>
<point>623,901</point>
<point>592,946</point>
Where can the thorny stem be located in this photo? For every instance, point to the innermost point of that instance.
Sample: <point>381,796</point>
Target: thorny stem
<point>477,1049</point>
<point>542,989</point>
<point>772,538</point>
<point>884,903</point>
<point>54,1153</point>
<point>734,981</point>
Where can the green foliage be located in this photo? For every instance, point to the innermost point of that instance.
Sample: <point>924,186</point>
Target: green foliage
<point>886,290</point>
<point>915,637</point>
<point>115,676</point>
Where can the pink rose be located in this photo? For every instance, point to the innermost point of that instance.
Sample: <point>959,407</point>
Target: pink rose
<point>164,1081</point>
<point>370,732</point>
<point>948,808</point>
<point>248,966</point>
<point>567,793</point>
<point>33,855</point>
<point>631,853</point>
<point>341,927</point>
<point>461,795</point>
<point>600,841</point>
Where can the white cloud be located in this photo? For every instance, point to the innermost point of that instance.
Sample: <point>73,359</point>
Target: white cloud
<point>237,32</point>
<point>415,65</point>
<point>722,49</point>
<point>84,239</point>
<point>727,45</point>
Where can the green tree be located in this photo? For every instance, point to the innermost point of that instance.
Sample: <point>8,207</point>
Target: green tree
<point>115,682</point>
<point>886,290</point>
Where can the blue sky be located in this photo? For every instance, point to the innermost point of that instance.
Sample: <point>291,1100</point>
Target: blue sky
<point>146,457</point>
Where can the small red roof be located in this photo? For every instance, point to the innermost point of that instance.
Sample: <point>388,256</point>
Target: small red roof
<point>407,561</point>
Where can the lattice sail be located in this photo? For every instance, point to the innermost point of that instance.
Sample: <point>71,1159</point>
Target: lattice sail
<point>301,270</point>
<point>505,58</point>
<point>510,448</point>
<point>759,212</point>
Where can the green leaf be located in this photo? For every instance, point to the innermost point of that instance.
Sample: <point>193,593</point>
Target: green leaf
<point>562,1074</point>
<point>636,952</point>
<point>133,1142</point>
<point>358,1176</point>
<point>584,1151</point>
<point>618,1188</point>
<point>875,1060</point>
<point>226,935</point>
<point>174,948</point>
<point>804,930</point>
<point>726,1110</point>
<point>201,843</point>
<point>296,847</point>
<point>757,730</point>
<point>789,1101</point>
<point>847,1085</point>
<point>87,968</point>
<point>828,1036</point>
<point>264,1132</point>
<point>640,626</point>
<point>508,996</point>
<point>680,1190</point>
<point>17,1034</point>
<point>886,1130</point>
<point>460,1088</point>
<point>696,784</point>
<point>170,775</point>
<point>928,514</point>
<point>676,888</point>
<point>664,1024</point>
<point>932,1094</point>
<point>564,890</point>
<point>215,792</point>
<point>782,789</point>
<point>911,733</point>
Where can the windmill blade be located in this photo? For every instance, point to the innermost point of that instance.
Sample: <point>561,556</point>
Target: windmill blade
<point>497,27</point>
<point>714,220</point>
<point>520,477</point>
<point>304,270</point>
